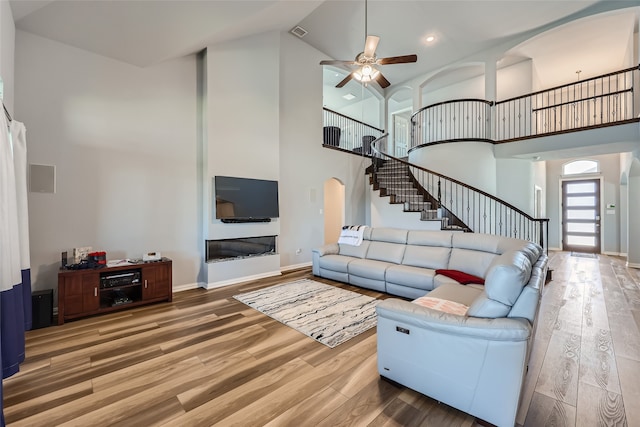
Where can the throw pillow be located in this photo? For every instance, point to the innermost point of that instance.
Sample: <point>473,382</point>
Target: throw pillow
<point>461,277</point>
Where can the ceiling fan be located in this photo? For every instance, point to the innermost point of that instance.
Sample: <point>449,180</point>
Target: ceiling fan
<point>367,61</point>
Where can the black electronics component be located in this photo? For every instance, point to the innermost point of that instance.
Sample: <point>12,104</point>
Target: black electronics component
<point>119,279</point>
<point>42,308</point>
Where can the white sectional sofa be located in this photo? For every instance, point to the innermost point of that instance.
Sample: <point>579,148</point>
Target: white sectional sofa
<point>464,345</point>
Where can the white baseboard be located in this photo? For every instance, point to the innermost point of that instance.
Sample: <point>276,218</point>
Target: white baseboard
<point>555,249</point>
<point>612,253</point>
<point>220,284</point>
<point>633,264</point>
<point>239,280</point>
<point>296,266</point>
<point>186,287</point>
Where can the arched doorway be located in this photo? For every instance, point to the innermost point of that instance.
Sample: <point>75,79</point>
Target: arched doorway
<point>334,209</point>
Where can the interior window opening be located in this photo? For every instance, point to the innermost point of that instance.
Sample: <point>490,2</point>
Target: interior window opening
<point>578,167</point>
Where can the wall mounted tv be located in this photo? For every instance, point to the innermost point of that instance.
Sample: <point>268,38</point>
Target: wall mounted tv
<point>245,199</point>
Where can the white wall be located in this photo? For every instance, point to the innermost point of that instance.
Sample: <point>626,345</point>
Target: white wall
<point>515,183</point>
<point>511,81</point>
<point>243,139</point>
<point>470,162</point>
<point>304,164</point>
<point>368,111</point>
<point>123,140</point>
<point>540,180</point>
<point>468,89</point>
<point>515,80</point>
<point>275,132</point>
<point>131,174</point>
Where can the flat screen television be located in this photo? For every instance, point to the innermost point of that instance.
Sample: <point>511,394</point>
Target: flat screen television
<point>245,199</point>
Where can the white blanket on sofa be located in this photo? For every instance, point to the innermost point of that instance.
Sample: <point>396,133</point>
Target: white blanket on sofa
<point>352,235</point>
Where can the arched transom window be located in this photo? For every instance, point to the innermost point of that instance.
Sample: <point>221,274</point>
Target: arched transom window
<point>580,167</point>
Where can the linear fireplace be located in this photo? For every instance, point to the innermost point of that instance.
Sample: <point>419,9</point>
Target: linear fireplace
<point>226,249</point>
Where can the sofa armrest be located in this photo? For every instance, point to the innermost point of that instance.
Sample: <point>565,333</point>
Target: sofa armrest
<point>330,249</point>
<point>317,253</point>
<point>499,329</point>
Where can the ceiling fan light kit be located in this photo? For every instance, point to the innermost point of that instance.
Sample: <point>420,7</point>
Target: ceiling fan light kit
<point>367,60</point>
<point>366,74</point>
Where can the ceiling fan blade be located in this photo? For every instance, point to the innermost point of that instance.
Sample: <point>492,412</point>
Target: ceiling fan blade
<point>337,62</point>
<point>397,59</point>
<point>370,46</point>
<point>345,80</point>
<point>382,81</point>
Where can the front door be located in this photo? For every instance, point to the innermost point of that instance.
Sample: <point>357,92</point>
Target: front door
<point>581,216</point>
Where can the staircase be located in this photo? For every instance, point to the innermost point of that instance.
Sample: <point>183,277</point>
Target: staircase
<point>394,180</point>
<point>454,204</point>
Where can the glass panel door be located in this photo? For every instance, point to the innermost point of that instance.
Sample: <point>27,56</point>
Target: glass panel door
<point>581,216</point>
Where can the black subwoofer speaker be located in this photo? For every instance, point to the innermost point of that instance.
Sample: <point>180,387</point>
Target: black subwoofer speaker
<point>42,308</point>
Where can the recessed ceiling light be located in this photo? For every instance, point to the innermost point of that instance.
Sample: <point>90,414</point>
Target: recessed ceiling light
<point>430,39</point>
<point>349,96</point>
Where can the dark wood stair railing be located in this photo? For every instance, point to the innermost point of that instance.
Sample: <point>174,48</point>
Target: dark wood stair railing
<point>460,206</point>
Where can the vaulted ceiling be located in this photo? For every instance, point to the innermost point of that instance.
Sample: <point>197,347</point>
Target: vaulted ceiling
<point>146,32</point>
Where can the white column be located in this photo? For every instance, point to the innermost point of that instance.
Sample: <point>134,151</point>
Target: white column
<point>633,203</point>
<point>491,90</point>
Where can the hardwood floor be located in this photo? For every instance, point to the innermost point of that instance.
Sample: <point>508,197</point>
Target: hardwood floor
<point>206,359</point>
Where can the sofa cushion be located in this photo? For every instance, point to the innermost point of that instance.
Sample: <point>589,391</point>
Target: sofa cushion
<point>404,291</point>
<point>440,280</point>
<point>488,308</point>
<point>461,277</point>
<point>471,261</point>
<point>335,263</point>
<point>430,238</point>
<point>368,268</point>
<point>359,251</point>
<point>506,277</point>
<point>456,292</point>
<point>442,305</point>
<point>533,251</point>
<point>414,277</point>
<point>391,235</point>
<point>388,252</point>
<point>487,242</point>
<point>426,256</point>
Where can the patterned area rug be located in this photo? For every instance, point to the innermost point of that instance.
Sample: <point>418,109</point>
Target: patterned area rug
<point>583,255</point>
<point>326,313</point>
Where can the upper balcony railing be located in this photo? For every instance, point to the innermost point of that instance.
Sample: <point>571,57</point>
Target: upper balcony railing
<point>458,120</point>
<point>346,133</point>
<point>600,101</point>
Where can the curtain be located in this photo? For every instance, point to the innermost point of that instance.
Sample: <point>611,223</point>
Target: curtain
<point>15,273</point>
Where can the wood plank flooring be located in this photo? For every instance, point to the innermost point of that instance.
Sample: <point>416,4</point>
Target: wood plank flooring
<point>206,359</point>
